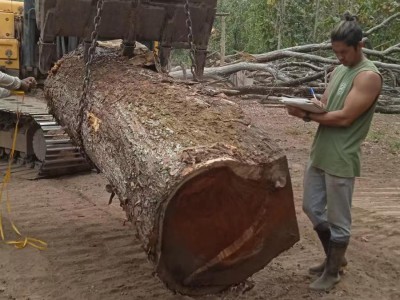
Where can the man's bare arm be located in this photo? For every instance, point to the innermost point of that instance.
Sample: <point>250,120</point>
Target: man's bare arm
<point>366,88</point>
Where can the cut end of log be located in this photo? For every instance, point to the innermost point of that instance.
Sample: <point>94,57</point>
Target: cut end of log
<point>224,224</point>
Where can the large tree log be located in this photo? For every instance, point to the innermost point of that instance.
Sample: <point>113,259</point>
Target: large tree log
<point>209,194</point>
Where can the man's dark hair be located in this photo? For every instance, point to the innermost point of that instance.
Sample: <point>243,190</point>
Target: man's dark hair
<point>347,31</point>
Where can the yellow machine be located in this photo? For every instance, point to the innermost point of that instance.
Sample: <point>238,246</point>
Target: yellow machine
<point>11,13</point>
<point>41,144</point>
<point>34,34</point>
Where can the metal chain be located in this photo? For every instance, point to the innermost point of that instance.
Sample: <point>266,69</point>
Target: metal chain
<point>192,46</point>
<point>86,79</point>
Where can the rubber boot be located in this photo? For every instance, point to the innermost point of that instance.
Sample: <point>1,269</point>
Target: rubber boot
<point>324,234</point>
<point>331,276</point>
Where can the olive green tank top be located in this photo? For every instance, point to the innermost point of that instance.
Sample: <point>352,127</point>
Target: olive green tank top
<point>336,150</point>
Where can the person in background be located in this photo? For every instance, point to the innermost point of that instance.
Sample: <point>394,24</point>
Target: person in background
<point>10,83</point>
<point>334,162</point>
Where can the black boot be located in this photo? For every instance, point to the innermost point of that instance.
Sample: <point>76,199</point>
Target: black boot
<point>331,276</point>
<point>324,234</point>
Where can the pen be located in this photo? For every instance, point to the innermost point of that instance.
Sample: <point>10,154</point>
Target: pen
<point>312,92</point>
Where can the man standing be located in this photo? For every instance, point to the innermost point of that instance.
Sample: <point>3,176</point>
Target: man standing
<point>334,163</point>
<point>9,83</point>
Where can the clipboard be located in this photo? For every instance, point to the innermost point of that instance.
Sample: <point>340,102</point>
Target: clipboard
<point>304,104</point>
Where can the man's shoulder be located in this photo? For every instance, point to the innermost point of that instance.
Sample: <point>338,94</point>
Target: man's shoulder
<point>367,71</point>
<point>368,76</point>
<point>368,81</point>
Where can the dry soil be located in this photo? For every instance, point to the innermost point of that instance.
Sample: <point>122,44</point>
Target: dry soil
<point>93,255</point>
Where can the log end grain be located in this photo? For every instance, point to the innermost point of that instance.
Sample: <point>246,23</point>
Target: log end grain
<point>222,226</point>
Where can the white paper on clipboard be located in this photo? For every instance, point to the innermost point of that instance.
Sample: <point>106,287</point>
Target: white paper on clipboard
<point>303,103</point>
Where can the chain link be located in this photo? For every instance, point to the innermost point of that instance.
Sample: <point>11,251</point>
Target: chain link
<point>192,46</point>
<point>86,80</point>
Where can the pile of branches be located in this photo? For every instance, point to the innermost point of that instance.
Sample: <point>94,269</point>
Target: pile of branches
<point>292,71</point>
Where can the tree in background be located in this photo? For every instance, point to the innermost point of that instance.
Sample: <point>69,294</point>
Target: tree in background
<point>258,26</point>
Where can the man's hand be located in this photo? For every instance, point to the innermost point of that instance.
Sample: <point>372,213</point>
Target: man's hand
<point>363,94</point>
<point>296,112</point>
<point>319,103</point>
<point>27,84</point>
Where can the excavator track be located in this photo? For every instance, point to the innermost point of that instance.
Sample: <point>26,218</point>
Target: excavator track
<point>43,148</point>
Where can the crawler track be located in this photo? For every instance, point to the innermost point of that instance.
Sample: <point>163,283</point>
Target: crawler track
<point>43,148</point>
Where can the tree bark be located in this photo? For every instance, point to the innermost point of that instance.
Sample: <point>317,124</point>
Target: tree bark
<point>314,36</point>
<point>209,194</point>
<point>223,40</point>
<point>280,22</point>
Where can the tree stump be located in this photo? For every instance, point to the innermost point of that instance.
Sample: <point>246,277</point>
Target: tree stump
<point>208,193</point>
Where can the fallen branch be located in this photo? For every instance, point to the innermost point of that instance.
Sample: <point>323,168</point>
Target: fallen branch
<point>393,109</point>
<point>387,66</point>
<point>299,81</point>
<point>394,48</point>
<point>233,68</point>
<point>300,64</point>
<point>275,55</point>
<point>383,54</point>
<point>298,91</point>
<point>379,26</point>
<point>301,48</point>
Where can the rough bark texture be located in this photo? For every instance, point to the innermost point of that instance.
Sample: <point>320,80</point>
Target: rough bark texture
<point>209,194</point>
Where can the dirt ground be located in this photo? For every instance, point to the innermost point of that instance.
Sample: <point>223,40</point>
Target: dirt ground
<point>92,255</point>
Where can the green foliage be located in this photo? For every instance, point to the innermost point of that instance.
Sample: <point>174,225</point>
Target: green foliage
<point>257,26</point>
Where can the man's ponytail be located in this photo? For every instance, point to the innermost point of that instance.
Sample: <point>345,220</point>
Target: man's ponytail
<point>347,31</point>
